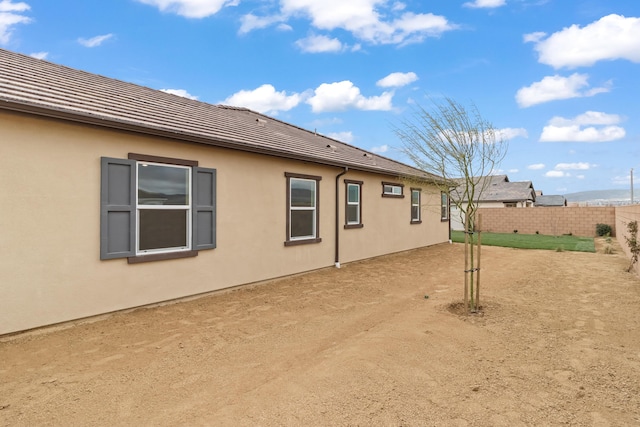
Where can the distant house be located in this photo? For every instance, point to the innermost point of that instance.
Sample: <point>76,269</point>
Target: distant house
<point>497,192</point>
<point>115,196</point>
<point>550,201</point>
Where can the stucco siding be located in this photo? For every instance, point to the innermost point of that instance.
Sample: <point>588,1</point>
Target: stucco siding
<point>50,269</point>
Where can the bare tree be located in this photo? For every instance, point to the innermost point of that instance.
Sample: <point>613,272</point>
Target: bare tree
<point>459,145</point>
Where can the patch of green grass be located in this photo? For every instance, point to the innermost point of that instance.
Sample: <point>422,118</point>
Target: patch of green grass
<point>532,241</point>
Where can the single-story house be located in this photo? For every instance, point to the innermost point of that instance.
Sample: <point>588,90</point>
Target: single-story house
<point>114,196</point>
<point>496,191</point>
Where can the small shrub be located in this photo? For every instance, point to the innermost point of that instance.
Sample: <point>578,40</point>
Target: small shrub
<point>608,250</point>
<point>560,249</point>
<point>603,230</point>
<point>608,239</point>
<point>537,232</point>
<point>515,231</point>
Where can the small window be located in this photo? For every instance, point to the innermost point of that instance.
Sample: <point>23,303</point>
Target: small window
<point>390,189</point>
<point>415,206</point>
<point>353,214</point>
<point>444,206</point>
<point>302,209</point>
<point>510,205</point>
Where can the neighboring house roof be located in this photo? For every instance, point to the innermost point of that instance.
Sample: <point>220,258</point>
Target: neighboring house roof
<point>498,188</point>
<point>551,201</point>
<point>40,87</point>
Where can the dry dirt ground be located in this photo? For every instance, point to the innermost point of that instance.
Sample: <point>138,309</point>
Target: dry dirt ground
<point>558,344</point>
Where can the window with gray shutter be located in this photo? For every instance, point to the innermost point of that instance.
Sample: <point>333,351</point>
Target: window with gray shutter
<point>121,212</point>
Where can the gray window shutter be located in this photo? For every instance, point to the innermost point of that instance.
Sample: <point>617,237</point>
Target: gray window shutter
<point>117,208</point>
<point>204,208</point>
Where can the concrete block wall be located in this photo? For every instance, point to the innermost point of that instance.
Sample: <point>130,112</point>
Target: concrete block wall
<point>624,215</point>
<point>554,221</point>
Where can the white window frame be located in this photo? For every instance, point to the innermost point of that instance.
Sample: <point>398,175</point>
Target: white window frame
<point>394,190</point>
<point>417,220</point>
<point>313,208</point>
<point>444,206</point>
<point>357,204</point>
<point>187,207</point>
<point>390,189</point>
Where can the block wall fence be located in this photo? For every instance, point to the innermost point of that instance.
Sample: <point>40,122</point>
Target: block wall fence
<point>579,221</point>
<point>624,215</point>
<point>553,221</point>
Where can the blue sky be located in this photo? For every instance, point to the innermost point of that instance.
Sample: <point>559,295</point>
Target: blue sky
<point>560,78</point>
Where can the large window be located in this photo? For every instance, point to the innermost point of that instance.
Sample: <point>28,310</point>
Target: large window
<point>353,214</point>
<point>302,209</point>
<point>415,206</point>
<point>156,208</point>
<point>444,206</point>
<point>390,189</point>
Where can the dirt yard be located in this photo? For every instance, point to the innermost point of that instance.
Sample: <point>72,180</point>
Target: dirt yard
<point>558,344</point>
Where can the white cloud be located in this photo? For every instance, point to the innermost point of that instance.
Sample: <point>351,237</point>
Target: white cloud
<point>191,8</point>
<point>346,136</point>
<point>560,170</point>
<point>536,166</point>
<point>317,44</point>
<point>397,79</point>
<point>10,15</point>
<point>514,170</point>
<point>94,41</point>
<point>39,55</point>
<point>577,134</point>
<point>600,128</point>
<point>10,6</point>
<point>380,149</point>
<point>573,166</point>
<point>264,99</point>
<point>344,95</point>
<point>284,27</point>
<point>556,87</point>
<point>252,22</point>
<point>510,133</point>
<point>534,37</point>
<point>180,92</point>
<point>610,38</point>
<point>372,21</point>
<point>476,4</point>
<point>588,118</point>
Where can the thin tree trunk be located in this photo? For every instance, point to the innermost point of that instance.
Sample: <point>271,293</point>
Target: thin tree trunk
<point>466,264</point>
<point>479,254</point>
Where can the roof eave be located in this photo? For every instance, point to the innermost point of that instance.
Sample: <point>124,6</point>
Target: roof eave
<point>219,142</point>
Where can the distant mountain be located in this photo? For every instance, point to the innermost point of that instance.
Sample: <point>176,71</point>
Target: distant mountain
<point>615,197</point>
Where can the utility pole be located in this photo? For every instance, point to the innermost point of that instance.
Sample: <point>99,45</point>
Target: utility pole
<point>631,185</point>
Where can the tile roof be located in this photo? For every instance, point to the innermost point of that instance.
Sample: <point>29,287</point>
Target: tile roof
<point>40,87</point>
<point>498,188</point>
<point>551,200</point>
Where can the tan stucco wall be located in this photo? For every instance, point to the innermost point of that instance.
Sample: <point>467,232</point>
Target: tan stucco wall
<point>386,221</point>
<point>50,269</point>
